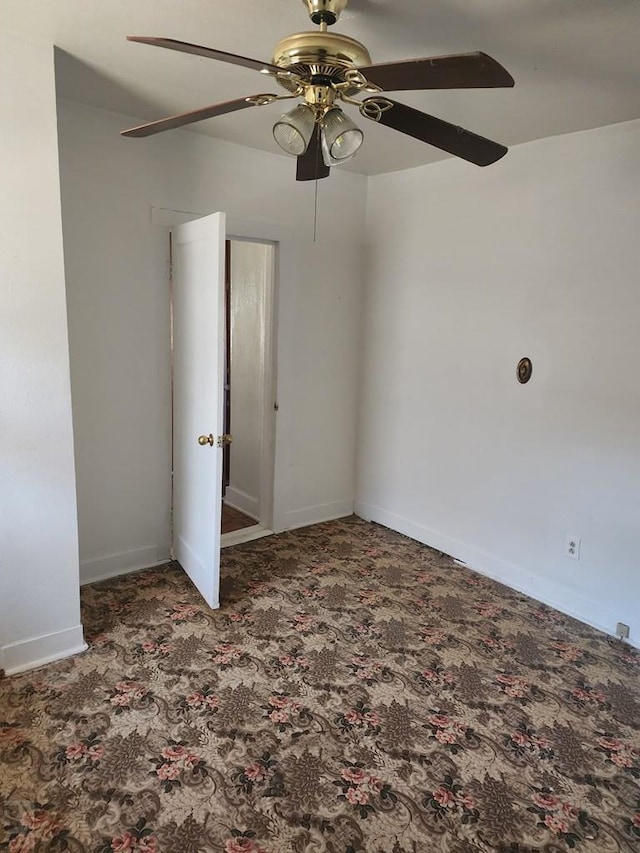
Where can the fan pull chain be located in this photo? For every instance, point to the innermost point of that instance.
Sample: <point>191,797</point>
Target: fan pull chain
<point>315,212</point>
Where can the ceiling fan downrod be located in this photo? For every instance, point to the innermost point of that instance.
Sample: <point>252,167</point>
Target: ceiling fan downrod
<point>325,11</point>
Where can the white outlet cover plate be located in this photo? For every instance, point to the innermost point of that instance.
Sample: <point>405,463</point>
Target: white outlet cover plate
<point>572,547</point>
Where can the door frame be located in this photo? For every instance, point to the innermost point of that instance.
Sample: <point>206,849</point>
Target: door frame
<point>254,232</point>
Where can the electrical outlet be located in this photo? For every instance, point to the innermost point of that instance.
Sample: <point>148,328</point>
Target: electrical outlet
<point>572,547</point>
<point>622,631</point>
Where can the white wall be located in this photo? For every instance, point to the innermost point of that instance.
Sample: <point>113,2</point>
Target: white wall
<point>469,270</point>
<point>39,601</point>
<point>117,295</point>
<point>251,273</point>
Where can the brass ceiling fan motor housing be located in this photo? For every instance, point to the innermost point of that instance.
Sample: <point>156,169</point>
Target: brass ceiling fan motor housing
<point>319,54</point>
<point>325,11</point>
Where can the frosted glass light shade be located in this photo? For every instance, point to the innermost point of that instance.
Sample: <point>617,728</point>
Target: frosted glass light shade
<point>341,138</point>
<point>294,129</point>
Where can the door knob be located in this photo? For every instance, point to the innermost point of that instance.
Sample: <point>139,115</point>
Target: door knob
<point>218,441</point>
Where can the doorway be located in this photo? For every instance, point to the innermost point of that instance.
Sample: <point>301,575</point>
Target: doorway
<point>197,392</point>
<point>261,348</point>
<point>249,399</point>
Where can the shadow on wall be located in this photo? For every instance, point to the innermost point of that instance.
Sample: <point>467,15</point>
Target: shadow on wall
<point>78,81</point>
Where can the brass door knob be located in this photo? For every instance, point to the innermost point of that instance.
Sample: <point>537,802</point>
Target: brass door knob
<point>213,441</point>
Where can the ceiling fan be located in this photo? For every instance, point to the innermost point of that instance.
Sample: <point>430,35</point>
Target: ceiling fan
<point>322,69</point>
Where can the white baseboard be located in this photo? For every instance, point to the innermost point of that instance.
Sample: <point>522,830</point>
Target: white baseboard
<point>113,565</point>
<point>242,501</point>
<point>38,651</point>
<point>315,514</point>
<point>245,534</point>
<point>542,589</point>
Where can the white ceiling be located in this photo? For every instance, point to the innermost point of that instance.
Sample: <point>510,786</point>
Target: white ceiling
<point>576,63</point>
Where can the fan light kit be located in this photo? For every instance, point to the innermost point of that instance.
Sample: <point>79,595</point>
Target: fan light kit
<point>322,70</point>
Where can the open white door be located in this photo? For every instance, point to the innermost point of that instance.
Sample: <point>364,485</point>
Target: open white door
<point>198,364</point>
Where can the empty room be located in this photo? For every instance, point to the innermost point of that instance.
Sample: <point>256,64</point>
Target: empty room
<point>319,426</point>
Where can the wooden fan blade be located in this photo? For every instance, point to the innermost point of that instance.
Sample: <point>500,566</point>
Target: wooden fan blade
<point>311,166</point>
<point>210,52</point>
<point>448,137</point>
<point>195,115</point>
<point>460,71</point>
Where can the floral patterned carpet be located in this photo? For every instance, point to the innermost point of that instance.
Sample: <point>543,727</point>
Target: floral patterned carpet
<point>356,692</point>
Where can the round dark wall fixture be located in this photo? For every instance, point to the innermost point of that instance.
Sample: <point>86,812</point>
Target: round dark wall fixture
<point>524,370</point>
